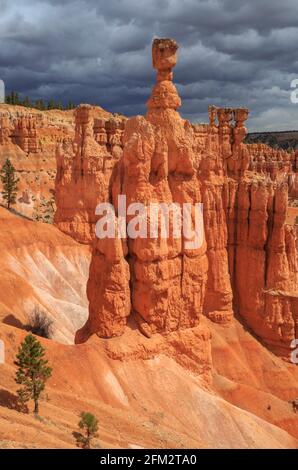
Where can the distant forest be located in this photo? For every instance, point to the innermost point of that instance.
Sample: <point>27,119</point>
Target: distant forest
<point>13,98</point>
<point>286,140</point>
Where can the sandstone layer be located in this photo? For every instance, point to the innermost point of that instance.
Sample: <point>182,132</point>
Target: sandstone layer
<point>84,169</point>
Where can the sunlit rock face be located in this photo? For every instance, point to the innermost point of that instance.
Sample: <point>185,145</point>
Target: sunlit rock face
<point>84,169</point>
<point>247,260</point>
<point>28,137</point>
<point>160,282</point>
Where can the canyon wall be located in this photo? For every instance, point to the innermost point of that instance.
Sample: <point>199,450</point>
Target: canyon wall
<point>263,260</point>
<point>278,165</point>
<point>29,137</point>
<point>84,170</point>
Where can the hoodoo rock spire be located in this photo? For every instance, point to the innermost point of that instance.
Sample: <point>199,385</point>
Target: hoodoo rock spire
<point>247,260</point>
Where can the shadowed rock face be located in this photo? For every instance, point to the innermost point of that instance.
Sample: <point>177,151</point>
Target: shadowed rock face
<point>247,262</point>
<point>263,260</point>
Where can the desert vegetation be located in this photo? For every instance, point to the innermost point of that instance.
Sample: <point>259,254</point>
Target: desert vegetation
<point>13,98</point>
<point>32,371</point>
<point>40,324</point>
<point>10,183</point>
<point>89,427</point>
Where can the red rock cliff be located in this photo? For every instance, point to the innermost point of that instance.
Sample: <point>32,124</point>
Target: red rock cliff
<point>263,260</point>
<point>84,168</point>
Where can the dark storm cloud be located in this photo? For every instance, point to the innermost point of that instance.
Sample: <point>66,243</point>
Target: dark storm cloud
<point>232,52</point>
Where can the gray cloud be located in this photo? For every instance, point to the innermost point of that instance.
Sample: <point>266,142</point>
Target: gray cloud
<point>232,52</point>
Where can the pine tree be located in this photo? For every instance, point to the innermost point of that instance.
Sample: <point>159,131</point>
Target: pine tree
<point>42,106</point>
<point>33,370</point>
<point>10,183</point>
<point>26,102</point>
<point>51,104</point>
<point>13,97</point>
<point>89,424</point>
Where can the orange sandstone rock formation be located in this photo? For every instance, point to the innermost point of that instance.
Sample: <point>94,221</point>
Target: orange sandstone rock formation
<point>247,262</point>
<point>276,164</point>
<point>167,281</point>
<point>22,131</point>
<point>263,260</point>
<point>84,168</point>
<point>28,137</point>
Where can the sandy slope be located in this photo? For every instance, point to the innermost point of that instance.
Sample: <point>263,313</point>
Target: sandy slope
<point>139,403</point>
<point>42,267</point>
<point>141,399</point>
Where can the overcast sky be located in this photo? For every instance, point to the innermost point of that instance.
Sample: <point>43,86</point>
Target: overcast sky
<point>232,52</point>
